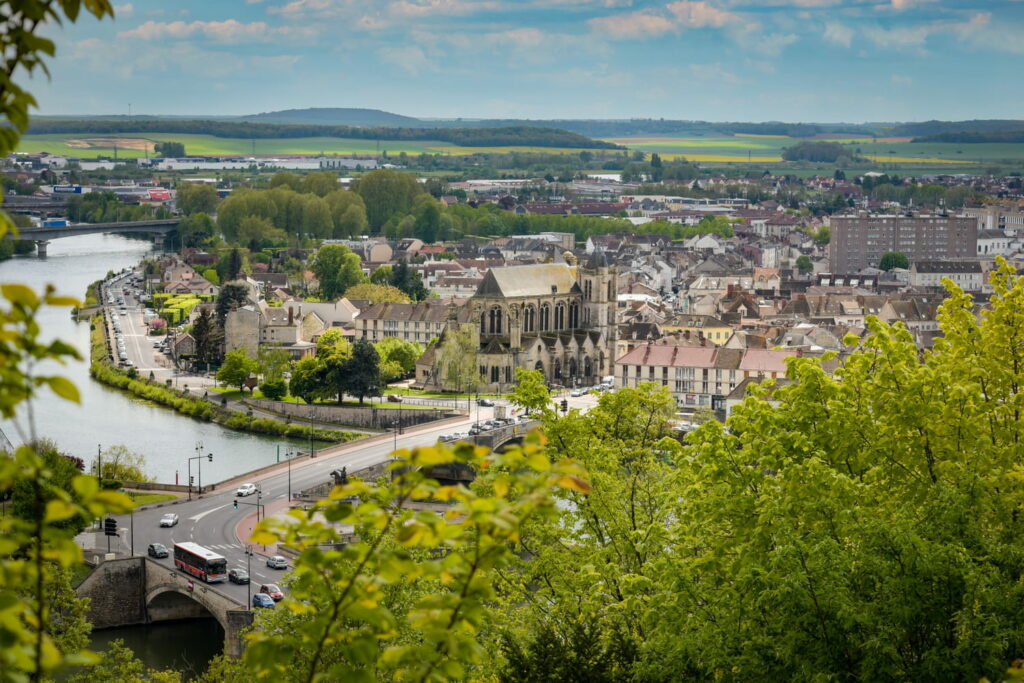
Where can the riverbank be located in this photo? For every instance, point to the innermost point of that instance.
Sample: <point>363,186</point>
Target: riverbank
<point>196,407</point>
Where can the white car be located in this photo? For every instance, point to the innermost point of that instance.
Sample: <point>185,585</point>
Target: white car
<point>246,490</point>
<point>170,519</point>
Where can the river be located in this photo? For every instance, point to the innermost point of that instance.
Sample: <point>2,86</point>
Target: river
<point>107,417</point>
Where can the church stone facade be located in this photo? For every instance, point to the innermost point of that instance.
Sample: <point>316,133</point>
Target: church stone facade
<point>555,318</point>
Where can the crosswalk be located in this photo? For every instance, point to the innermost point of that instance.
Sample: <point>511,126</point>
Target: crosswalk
<point>224,546</point>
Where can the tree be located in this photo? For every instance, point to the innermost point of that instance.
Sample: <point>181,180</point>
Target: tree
<point>274,389</point>
<point>307,379</point>
<point>337,269</point>
<point>231,265</point>
<point>377,293</point>
<point>397,357</point>
<point>194,198</point>
<point>456,359</point>
<point>408,281</point>
<point>196,230</point>
<point>803,264</point>
<point>287,179</point>
<point>531,391</point>
<point>427,212</point>
<point>316,218</point>
<point>381,275</point>
<point>348,213</point>
<point>823,236</point>
<point>231,295</point>
<point>320,183</point>
<point>121,464</point>
<point>893,259</point>
<point>361,376</point>
<point>237,368</point>
<point>333,351</point>
<point>64,470</point>
<point>389,606</point>
<point>120,665</point>
<point>169,149</point>
<point>208,338</point>
<point>211,276</point>
<point>386,194</point>
<point>256,232</point>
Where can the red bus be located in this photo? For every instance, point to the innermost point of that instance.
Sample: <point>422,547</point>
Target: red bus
<point>196,560</point>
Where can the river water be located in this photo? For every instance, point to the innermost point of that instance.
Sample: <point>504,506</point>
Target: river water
<point>107,417</point>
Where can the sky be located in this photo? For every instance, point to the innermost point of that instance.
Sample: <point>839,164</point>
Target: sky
<point>717,60</point>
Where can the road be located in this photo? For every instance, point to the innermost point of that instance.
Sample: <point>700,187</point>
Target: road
<point>212,521</point>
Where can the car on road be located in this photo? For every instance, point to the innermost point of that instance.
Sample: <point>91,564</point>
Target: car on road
<point>128,364</point>
<point>485,402</point>
<point>394,399</point>
<point>262,600</point>
<point>246,490</point>
<point>157,550</point>
<point>277,562</point>
<point>273,591</point>
<point>170,519</point>
<point>238,575</point>
<point>578,392</point>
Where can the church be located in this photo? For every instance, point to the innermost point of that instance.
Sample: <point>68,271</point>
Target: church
<point>554,317</point>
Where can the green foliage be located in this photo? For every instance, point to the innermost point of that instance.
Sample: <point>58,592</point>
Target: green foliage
<point>408,281</point>
<point>820,151</point>
<point>803,263</point>
<point>377,293</point>
<point>121,464</point>
<point>388,605</point>
<point>386,194</point>
<point>397,357</point>
<point>337,269</point>
<point>196,230</point>
<point>274,389</point>
<point>120,665</point>
<point>360,374</point>
<point>456,359</point>
<point>823,236</point>
<point>192,198</point>
<point>169,149</point>
<point>531,391</point>
<point>893,259</point>
<point>231,295</point>
<point>237,368</point>
<point>104,207</point>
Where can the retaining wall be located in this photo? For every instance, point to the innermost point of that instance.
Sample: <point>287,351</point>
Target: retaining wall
<point>369,417</point>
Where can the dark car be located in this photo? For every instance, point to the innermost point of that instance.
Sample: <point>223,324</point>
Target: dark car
<point>157,550</point>
<point>262,600</point>
<point>238,576</point>
<point>272,590</point>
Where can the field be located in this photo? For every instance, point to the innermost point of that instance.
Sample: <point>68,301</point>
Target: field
<point>758,149</point>
<point>129,147</point>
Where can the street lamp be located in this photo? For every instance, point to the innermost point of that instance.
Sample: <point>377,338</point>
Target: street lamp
<point>288,456</point>
<point>395,423</point>
<point>312,414</point>
<point>199,456</point>
<point>248,571</point>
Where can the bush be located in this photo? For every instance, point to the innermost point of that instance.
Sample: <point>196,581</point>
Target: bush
<point>274,389</point>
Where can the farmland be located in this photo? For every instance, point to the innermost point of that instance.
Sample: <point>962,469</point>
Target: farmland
<point>760,149</point>
<point>133,146</point>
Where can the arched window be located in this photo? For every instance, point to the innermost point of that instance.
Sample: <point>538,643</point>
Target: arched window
<point>560,316</point>
<point>558,370</point>
<point>483,323</point>
<point>545,317</point>
<point>495,320</point>
<point>574,315</point>
<point>572,367</point>
<point>529,319</point>
<point>588,290</point>
<point>587,369</point>
<point>611,292</point>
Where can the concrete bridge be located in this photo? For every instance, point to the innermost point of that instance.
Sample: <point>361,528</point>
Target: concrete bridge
<point>138,590</point>
<point>496,438</point>
<point>42,236</point>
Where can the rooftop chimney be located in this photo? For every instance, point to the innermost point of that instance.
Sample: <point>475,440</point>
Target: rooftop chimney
<point>291,312</point>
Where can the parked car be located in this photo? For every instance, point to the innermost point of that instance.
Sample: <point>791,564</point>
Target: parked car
<point>485,402</point>
<point>157,550</point>
<point>578,392</point>
<point>237,575</point>
<point>277,562</point>
<point>272,590</point>
<point>170,519</point>
<point>262,600</point>
<point>394,399</point>
<point>246,490</point>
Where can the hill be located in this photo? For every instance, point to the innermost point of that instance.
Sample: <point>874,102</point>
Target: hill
<point>335,116</point>
<point>976,130</point>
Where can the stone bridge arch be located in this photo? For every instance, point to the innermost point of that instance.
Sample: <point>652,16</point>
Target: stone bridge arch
<point>168,601</point>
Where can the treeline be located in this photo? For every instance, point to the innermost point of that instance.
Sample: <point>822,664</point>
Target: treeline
<point>104,207</point>
<point>820,151</point>
<point>1000,136</point>
<point>612,128</point>
<point>527,136</point>
<point>928,128</point>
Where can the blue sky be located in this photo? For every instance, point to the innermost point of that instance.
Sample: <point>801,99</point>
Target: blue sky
<point>736,60</point>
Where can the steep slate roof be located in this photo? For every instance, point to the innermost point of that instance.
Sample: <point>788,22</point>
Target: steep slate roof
<point>537,280</point>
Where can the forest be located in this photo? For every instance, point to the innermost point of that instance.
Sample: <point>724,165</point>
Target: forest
<point>526,136</point>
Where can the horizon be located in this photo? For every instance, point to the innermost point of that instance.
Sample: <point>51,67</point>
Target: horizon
<point>873,61</point>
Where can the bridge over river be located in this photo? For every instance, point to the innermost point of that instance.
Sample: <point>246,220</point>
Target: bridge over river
<point>43,235</point>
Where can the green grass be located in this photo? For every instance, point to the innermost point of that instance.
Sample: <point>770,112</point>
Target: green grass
<point>377,402</point>
<point>148,498</point>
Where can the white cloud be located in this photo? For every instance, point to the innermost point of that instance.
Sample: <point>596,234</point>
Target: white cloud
<point>772,44</point>
<point>900,80</point>
<point>699,14</point>
<point>632,26</point>
<point>839,34</point>
<point>714,73</point>
<point>410,58</point>
<point>229,31</point>
<point>423,8</point>
<point>124,11</point>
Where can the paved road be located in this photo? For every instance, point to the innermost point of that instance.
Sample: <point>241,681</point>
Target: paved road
<point>212,521</point>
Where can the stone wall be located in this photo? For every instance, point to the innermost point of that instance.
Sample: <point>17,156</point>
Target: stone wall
<point>369,417</point>
<point>117,590</point>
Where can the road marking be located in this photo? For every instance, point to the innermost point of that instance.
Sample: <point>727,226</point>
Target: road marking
<point>196,518</point>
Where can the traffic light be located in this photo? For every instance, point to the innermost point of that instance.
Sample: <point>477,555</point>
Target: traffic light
<point>110,526</point>
<point>209,456</point>
<point>235,503</point>
<point>565,406</point>
<point>191,480</point>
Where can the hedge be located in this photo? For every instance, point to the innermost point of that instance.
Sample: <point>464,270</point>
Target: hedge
<point>202,409</point>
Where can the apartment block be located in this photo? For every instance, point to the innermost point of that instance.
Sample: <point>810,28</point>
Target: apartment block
<point>859,241</point>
